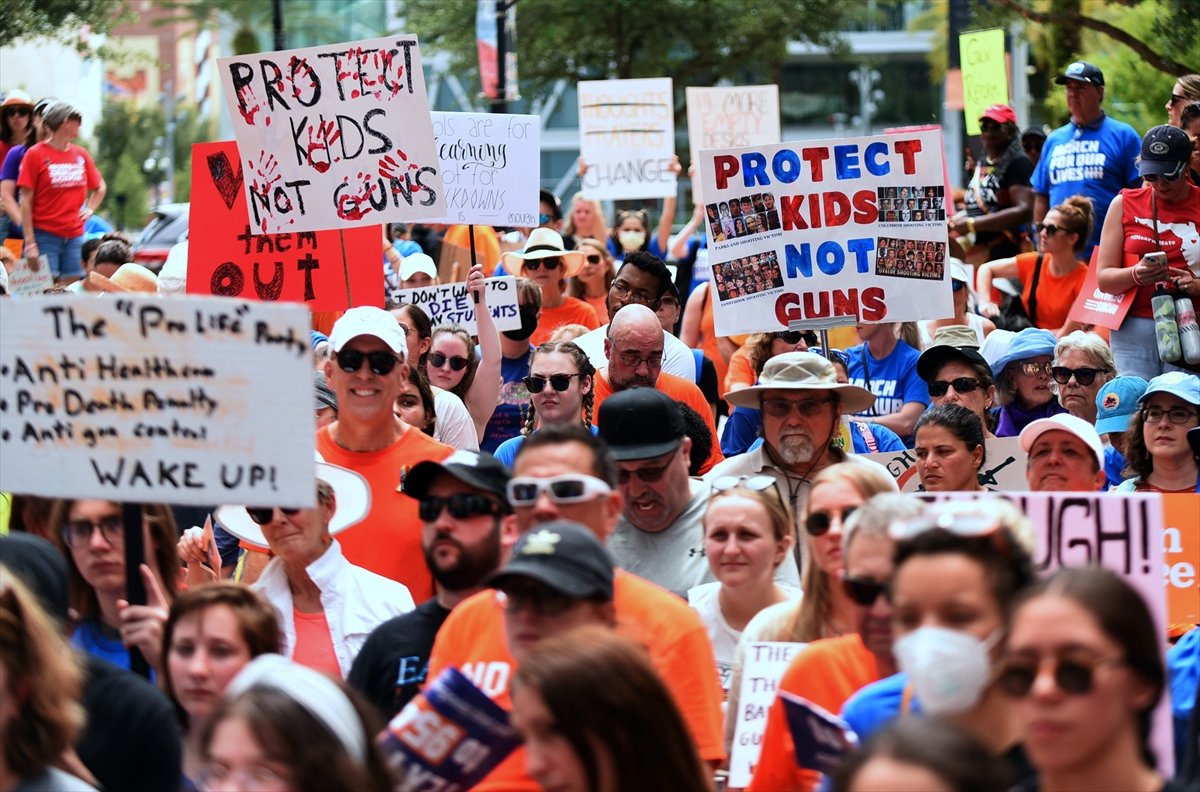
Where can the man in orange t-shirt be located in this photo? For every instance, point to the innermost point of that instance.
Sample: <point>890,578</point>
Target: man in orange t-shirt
<point>365,369</point>
<point>472,639</point>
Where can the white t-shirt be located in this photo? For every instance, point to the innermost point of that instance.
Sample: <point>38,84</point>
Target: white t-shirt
<point>705,601</point>
<point>454,426</point>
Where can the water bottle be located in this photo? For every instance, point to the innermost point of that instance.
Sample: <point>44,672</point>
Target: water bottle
<point>1189,332</point>
<point>1166,332</point>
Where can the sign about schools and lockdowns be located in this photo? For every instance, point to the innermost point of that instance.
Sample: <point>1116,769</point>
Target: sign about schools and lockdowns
<point>197,400</point>
<point>451,303</point>
<point>627,138</point>
<point>1003,467</point>
<point>1181,557</point>
<point>731,117</point>
<point>334,136</point>
<point>491,166</point>
<point>984,73</point>
<point>813,233</point>
<point>229,259</point>
<point>762,667</point>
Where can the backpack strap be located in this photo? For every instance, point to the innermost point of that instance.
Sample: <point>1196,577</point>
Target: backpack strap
<point>1037,276</point>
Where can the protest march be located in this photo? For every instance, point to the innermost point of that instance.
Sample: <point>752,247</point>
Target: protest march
<point>681,446</point>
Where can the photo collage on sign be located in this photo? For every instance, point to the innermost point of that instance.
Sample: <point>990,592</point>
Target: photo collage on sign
<point>743,217</point>
<point>749,275</point>
<point>910,258</point>
<point>912,204</point>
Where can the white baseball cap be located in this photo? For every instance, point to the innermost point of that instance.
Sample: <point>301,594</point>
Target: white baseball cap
<point>1064,422</point>
<point>417,262</point>
<point>368,320</point>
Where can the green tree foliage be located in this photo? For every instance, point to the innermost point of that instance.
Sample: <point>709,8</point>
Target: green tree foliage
<point>127,201</point>
<point>61,20</point>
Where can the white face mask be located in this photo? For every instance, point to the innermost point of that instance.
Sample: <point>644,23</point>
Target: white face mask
<point>631,240</point>
<point>949,669</point>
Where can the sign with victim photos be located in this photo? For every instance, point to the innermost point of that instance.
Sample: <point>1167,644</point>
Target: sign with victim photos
<point>818,233</point>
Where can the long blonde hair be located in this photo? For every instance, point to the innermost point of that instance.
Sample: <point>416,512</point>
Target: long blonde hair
<point>599,230</point>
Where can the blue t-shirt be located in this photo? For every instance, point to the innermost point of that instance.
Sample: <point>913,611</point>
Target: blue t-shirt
<point>1183,677</point>
<point>507,452</point>
<point>1114,463</point>
<point>512,405</point>
<point>89,638</point>
<point>877,705</point>
<point>1097,161</point>
<point>893,380</point>
<point>742,434</point>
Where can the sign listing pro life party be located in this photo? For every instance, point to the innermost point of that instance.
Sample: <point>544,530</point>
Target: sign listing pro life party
<point>197,400</point>
<point>491,165</point>
<point>627,138</point>
<point>814,233</point>
<point>334,136</point>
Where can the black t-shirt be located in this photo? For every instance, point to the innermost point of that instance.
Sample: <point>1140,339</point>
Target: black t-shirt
<point>1014,169</point>
<point>391,666</point>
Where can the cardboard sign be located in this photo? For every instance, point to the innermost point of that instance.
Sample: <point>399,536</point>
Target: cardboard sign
<point>1181,557</point>
<point>451,303</point>
<point>334,136</point>
<point>731,117</point>
<point>1003,466</point>
<point>820,232</point>
<point>984,73</point>
<point>762,668</point>
<point>24,281</point>
<point>627,138</point>
<point>189,400</point>
<point>821,739</point>
<point>1096,307</point>
<point>491,166</point>
<point>229,259</point>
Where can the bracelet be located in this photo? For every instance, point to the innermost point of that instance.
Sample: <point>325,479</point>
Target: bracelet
<point>1133,272</point>
<point>970,225</point>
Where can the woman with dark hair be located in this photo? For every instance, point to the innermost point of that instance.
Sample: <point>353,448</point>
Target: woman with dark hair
<point>455,427</point>
<point>561,385</point>
<point>999,198</point>
<point>949,449</point>
<point>596,717</point>
<point>1157,454</point>
<point>415,404</point>
<point>1084,670</point>
<point>962,376</point>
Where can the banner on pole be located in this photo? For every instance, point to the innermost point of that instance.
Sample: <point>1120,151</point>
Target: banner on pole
<point>627,138</point>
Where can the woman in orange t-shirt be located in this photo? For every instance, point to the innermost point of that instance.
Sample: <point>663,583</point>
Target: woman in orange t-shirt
<point>545,262</point>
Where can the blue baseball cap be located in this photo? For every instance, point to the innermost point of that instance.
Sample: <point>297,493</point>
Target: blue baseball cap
<point>1029,343</point>
<point>1116,402</point>
<point>1176,383</point>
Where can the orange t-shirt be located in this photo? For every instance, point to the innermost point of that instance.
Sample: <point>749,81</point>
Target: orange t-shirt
<point>572,311</point>
<point>1055,295</point>
<point>827,673</point>
<point>388,542</point>
<point>314,643</point>
<point>456,249</point>
<point>740,372</point>
<point>708,337</point>
<point>472,639</point>
<point>600,304</point>
<point>681,391</point>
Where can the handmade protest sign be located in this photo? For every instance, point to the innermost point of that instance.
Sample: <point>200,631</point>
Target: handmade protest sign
<point>334,136</point>
<point>763,666</point>
<point>627,138</point>
<point>189,400</point>
<point>229,259</point>
<point>984,73</point>
<point>491,166</point>
<point>731,117</point>
<point>450,303</point>
<point>1181,557</point>
<point>25,281</point>
<point>819,232</point>
<point>1003,466</point>
<point>821,739</point>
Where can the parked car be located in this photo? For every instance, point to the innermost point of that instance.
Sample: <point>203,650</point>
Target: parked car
<point>168,227</point>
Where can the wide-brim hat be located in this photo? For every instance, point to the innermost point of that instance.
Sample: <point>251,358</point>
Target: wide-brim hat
<point>1029,343</point>
<point>801,371</point>
<point>350,491</point>
<point>129,277</point>
<point>17,98</point>
<point>544,243</point>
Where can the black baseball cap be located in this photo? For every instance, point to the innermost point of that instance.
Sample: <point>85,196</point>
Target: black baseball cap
<point>1164,149</point>
<point>640,423</point>
<point>932,359</point>
<point>476,469</point>
<point>564,556</point>
<point>1081,71</point>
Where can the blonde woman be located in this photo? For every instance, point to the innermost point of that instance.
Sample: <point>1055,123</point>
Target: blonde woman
<point>594,278</point>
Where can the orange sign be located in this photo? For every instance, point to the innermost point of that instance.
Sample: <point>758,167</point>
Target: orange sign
<point>1181,557</point>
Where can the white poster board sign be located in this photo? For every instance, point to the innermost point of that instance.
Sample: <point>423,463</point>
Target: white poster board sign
<point>809,233</point>
<point>731,117</point>
<point>491,166</point>
<point>451,303</point>
<point>334,136</point>
<point>200,400</point>
<point>627,138</point>
<point>1003,467</point>
<point>762,668</point>
<point>24,281</point>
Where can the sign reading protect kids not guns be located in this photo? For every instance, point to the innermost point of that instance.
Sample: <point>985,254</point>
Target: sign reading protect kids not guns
<point>143,399</point>
<point>627,138</point>
<point>334,136</point>
<point>802,234</point>
<point>231,260</point>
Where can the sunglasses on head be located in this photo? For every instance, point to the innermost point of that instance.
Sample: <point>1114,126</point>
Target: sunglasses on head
<point>560,382</point>
<point>1073,677</point>
<point>970,525</point>
<point>562,490</point>
<point>756,483</point>
<point>533,265</point>
<point>1174,176</point>
<point>351,360</point>
<point>866,591</point>
<point>1049,228</point>
<point>1084,376</point>
<point>939,388</point>
<point>818,523</point>
<point>462,506</point>
<point>440,359</point>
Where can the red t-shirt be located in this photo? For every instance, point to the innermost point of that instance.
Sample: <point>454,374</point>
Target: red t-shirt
<point>60,181</point>
<point>1178,225</point>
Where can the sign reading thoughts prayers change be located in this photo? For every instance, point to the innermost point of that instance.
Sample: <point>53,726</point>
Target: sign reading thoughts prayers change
<point>491,166</point>
<point>449,303</point>
<point>196,400</point>
<point>301,266</point>
<point>731,117</point>
<point>334,136</point>
<point>627,138</point>
<point>807,234</point>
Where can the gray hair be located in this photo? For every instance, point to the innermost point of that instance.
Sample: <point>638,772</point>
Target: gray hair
<point>1091,344</point>
<point>877,515</point>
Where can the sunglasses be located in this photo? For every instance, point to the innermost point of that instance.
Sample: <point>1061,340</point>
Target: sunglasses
<point>966,525</point>
<point>21,111</point>
<point>756,483</point>
<point>939,388</point>
<point>439,359</point>
<point>544,218</point>
<point>818,523</point>
<point>544,601</point>
<point>1073,677</point>
<point>351,360</point>
<point>1034,369</point>
<point>988,126</point>
<point>794,337</point>
<point>648,475</point>
<point>1049,228</point>
<point>957,285</point>
<point>781,408</point>
<point>262,515</point>
<point>562,490</point>
<point>1176,99</point>
<point>1174,176</point>
<point>560,382</point>
<point>593,258</point>
<point>866,591</point>
<point>533,265</point>
<point>462,506</point>
<point>1084,376</point>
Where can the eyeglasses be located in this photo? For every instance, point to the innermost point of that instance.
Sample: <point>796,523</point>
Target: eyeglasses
<point>970,525</point>
<point>818,523</point>
<point>257,777</point>
<point>1049,228</point>
<point>77,533</point>
<point>939,388</point>
<point>622,289</point>
<point>1176,415</point>
<point>1173,176</point>
<point>462,506</point>
<point>545,601</point>
<point>866,591</point>
<point>562,490</point>
<point>634,360</point>
<point>1032,369</point>
<point>593,258</point>
<point>1073,677</point>
<point>440,359</point>
<point>560,382</point>
<point>756,483</point>
<point>351,360</point>
<point>533,265</point>
<point>1084,376</point>
<point>782,408</point>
